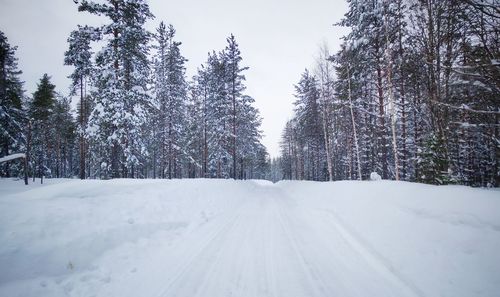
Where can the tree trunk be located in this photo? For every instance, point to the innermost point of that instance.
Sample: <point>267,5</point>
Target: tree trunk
<point>234,126</point>
<point>355,134</point>
<point>205,139</point>
<point>381,130</point>
<point>391,100</point>
<point>82,124</point>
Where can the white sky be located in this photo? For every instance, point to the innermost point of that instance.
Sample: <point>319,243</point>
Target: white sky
<point>278,40</point>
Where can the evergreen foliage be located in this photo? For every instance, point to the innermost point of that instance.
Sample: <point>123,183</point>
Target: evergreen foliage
<point>412,94</point>
<point>420,81</point>
<point>12,115</point>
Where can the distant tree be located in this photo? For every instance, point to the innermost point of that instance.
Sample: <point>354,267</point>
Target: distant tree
<point>80,55</point>
<point>224,126</point>
<point>171,94</point>
<point>64,136</point>
<point>218,107</point>
<point>308,115</point>
<point>325,71</point>
<point>40,111</point>
<point>235,88</point>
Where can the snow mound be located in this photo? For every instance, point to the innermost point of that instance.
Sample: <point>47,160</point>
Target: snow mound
<point>375,176</point>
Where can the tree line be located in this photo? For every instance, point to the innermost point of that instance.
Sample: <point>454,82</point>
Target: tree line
<point>138,115</point>
<point>413,94</point>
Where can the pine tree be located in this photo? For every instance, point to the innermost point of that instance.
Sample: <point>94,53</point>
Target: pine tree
<point>63,139</point>
<point>40,112</point>
<point>80,55</point>
<point>251,155</point>
<point>234,81</point>
<point>121,96</point>
<point>171,94</point>
<point>308,119</point>
<point>12,116</point>
<point>224,137</point>
<point>201,107</point>
<point>325,72</point>
<point>370,46</point>
<point>195,128</point>
<point>218,107</point>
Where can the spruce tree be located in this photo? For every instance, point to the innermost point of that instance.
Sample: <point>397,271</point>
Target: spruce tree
<point>121,97</point>
<point>40,112</point>
<point>12,116</point>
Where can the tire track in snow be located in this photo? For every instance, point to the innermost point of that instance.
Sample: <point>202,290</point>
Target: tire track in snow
<point>311,276</point>
<point>334,255</point>
<point>327,259</point>
<point>269,246</point>
<point>185,266</point>
<point>225,248</point>
<point>241,265</point>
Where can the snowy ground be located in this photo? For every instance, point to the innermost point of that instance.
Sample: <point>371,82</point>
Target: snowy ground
<point>247,238</point>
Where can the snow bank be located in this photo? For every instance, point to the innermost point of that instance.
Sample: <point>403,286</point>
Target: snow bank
<point>440,240</point>
<point>65,230</point>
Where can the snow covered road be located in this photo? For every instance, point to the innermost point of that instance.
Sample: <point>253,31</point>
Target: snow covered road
<point>253,238</point>
<point>270,247</point>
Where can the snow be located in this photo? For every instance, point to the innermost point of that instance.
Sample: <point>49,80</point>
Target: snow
<point>375,176</point>
<point>247,238</point>
<point>12,157</point>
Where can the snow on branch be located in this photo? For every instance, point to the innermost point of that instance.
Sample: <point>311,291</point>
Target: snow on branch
<point>489,9</point>
<point>12,157</point>
<point>467,125</point>
<point>467,108</point>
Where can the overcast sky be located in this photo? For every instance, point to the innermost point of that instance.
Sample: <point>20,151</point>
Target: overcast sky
<point>278,40</point>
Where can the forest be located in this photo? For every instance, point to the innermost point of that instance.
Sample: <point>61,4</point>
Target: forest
<point>413,94</point>
<point>138,115</point>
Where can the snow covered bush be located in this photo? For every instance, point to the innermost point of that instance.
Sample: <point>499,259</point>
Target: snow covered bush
<point>375,176</point>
